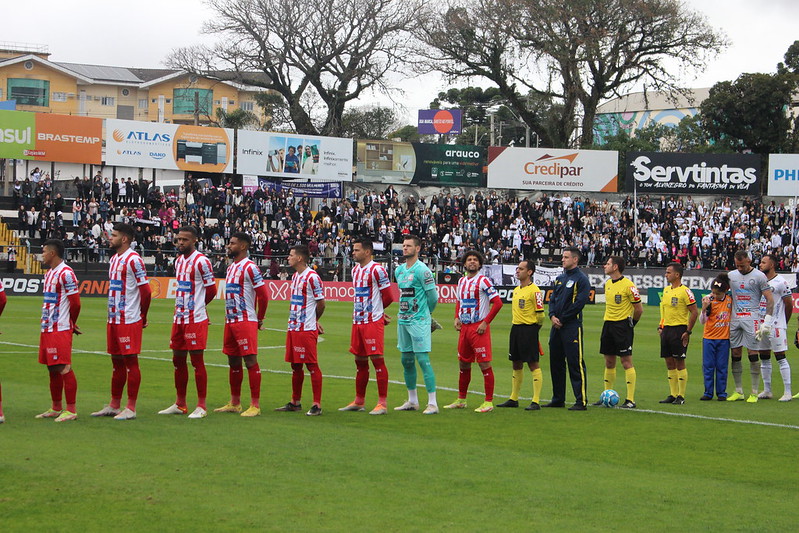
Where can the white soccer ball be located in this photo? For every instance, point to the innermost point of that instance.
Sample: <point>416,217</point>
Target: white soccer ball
<point>609,398</point>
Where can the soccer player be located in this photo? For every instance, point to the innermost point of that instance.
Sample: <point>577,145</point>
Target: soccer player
<point>128,303</point>
<point>418,299</point>
<point>749,286</point>
<point>777,340</point>
<point>524,346</point>
<point>3,300</point>
<point>245,292</point>
<point>60,312</point>
<point>623,310</point>
<point>678,315</point>
<point>472,320</point>
<point>372,296</point>
<point>569,297</point>
<point>195,290</point>
<point>306,308</point>
<point>715,315</point>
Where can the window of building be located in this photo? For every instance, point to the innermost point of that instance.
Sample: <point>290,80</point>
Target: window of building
<point>183,101</point>
<point>248,106</point>
<point>143,103</point>
<point>107,100</point>
<point>29,92</point>
<point>59,97</point>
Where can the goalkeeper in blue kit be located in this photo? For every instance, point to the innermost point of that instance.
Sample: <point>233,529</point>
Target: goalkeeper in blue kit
<point>418,298</point>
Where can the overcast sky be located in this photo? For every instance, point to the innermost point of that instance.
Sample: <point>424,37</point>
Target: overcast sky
<point>142,33</point>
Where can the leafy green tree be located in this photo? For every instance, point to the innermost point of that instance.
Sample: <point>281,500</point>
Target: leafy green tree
<point>369,123</point>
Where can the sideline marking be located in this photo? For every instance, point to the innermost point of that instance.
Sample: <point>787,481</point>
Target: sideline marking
<point>421,385</point>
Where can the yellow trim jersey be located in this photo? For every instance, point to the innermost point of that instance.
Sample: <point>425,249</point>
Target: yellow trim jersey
<point>674,305</point>
<point>620,295</point>
<point>528,305</point>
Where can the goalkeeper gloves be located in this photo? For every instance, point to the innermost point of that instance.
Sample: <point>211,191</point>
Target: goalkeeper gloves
<point>765,328</point>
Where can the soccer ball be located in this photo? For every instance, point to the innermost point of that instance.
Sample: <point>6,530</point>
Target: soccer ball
<point>609,398</point>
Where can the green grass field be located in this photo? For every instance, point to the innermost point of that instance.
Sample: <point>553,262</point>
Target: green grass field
<point>706,469</point>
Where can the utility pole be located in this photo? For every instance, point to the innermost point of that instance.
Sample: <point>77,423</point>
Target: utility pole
<point>196,108</point>
<point>492,129</point>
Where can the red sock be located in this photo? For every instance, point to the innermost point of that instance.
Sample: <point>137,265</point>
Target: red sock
<point>297,377</point>
<point>361,380</point>
<point>464,379</point>
<point>316,382</point>
<point>118,379</point>
<point>236,377</point>
<point>70,390</point>
<point>381,373</point>
<point>254,373</point>
<point>134,380</point>
<point>56,388</point>
<point>200,378</point>
<point>181,380</point>
<point>488,378</point>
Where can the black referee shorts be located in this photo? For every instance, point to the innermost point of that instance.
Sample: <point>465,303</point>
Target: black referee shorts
<point>617,338</point>
<point>524,345</point>
<point>671,342</point>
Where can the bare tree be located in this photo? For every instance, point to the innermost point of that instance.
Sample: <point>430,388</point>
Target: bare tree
<point>575,52</point>
<point>329,51</point>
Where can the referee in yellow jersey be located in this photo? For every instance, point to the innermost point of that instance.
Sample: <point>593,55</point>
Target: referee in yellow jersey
<point>623,310</point>
<point>677,318</point>
<point>528,317</point>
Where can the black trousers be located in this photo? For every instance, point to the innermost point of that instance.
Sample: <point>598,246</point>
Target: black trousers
<point>566,348</point>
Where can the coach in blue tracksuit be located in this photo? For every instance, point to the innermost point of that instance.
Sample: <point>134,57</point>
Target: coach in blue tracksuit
<point>569,296</point>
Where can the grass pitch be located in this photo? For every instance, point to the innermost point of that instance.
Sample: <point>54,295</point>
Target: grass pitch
<point>710,466</point>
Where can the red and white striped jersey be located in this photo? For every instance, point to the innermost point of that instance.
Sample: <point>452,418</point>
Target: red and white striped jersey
<point>194,274</point>
<point>59,282</point>
<point>306,289</point>
<point>368,281</point>
<point>474,297</point>
<point>126,273</point>
<point>242,278</point>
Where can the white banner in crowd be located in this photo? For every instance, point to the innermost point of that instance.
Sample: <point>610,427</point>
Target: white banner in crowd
<point>294,156</point>
<point>132,143</point>
<point>783,174</point>
<point>551,169</point>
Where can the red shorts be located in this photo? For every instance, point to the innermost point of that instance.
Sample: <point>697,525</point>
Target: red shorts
<point>473,347</point>
<point>301,346</point>
<point>367,339</point>
<point>124,339</point>
<point>189,337</point>
<point>240,338</point>
<point>55,348</point>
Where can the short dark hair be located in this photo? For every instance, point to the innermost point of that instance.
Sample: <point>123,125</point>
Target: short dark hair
<point>125,229</point>
<point>677,267</point>
<point>774,259</point>
<point>472,253</point>
<point>530,264</point>
<point>57,245</point>
<point>302,251</point>
<point>415,238</point>
<point>190,229</point>
<point>366,243</point>
<point>722,282</point>
<point>618,261</point>
<point>740,255</point>
<point>574,251</point>
<point>243,237</point>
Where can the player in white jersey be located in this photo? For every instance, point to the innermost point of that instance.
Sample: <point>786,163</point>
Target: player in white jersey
<point>128,303</point>
<point>60,312</point>
<point>478,303</point>
<point>748,285</point>
<point>305,309</point>
<point>372,296</point>
<point>246,300</point>
<point>195,290</point>
<point>777,341</point>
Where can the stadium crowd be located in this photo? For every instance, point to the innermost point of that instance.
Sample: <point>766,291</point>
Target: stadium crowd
<point>698,234</point>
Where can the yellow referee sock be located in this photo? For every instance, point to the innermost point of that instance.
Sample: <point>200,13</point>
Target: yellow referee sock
<point>629,376</point>
<point>610,378</point>
<point>538,383</point>
<point>682,381</point>
<point>673,387</point>
<point>516,384</point>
